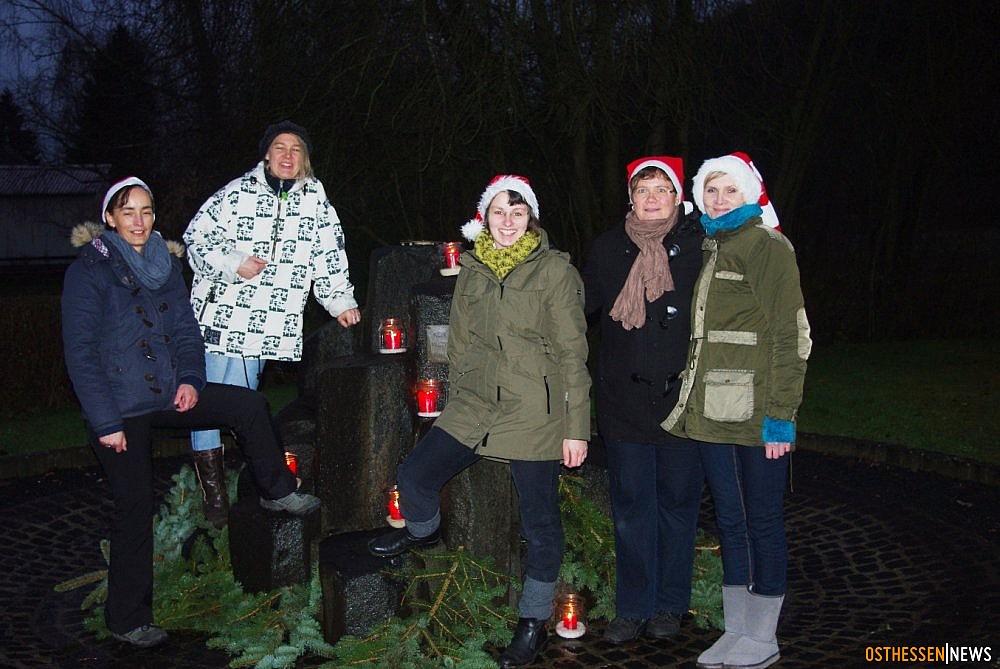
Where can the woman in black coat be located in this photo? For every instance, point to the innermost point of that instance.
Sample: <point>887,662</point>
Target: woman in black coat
<point>639,279</point>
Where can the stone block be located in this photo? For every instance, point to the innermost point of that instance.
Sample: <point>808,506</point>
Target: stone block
<point>296,424</point>
<point>393,272</point>
<point>357,593</point>
<point>330,345</point>
<point>270,549</point>
<point>430,306</point>
<point>364,424</point>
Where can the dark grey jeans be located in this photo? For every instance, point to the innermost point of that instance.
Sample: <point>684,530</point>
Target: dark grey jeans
<point>439,456</point>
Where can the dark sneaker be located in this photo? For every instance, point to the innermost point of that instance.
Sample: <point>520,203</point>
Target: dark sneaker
<point>664,626</point>
<point>623,630</point>
<point>295,503</point>
<point>146,636</point>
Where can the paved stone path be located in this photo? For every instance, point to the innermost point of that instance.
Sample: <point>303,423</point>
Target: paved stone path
<point>879,557</point>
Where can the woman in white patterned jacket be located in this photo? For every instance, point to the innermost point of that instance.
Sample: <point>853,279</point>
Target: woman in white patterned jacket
<point>256,247</point>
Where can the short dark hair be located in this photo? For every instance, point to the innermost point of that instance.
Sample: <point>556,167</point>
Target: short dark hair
<point>513,197</point>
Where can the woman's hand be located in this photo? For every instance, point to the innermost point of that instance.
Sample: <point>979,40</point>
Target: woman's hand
<point>775,449</point>
<point>251,267</point>
<point>574,452</point>
<point>115,440</point>
<point>185,398</point>
<point>349,318</point>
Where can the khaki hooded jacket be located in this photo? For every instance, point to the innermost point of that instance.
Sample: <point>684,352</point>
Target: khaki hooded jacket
<point>749,339</point>
<point>517,350</point>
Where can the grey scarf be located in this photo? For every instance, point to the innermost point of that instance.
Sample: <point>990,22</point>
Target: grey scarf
<point>152,266</point>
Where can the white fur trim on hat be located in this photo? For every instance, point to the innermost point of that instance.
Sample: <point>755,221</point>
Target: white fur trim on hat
<point>501,182</point>
<point>748,179</point>
<point>124,183</point>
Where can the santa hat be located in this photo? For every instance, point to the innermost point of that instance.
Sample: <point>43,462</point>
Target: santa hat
<point>124,183</point>
<point>499,183</point>
<point>739,166</point>
<point>673,167</point>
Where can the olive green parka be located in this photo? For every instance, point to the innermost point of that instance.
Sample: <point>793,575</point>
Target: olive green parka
<point>517,350</point>
<point>750,339</point>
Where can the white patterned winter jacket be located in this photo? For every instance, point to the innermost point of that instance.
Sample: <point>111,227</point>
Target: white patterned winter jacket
<point>300,238</point>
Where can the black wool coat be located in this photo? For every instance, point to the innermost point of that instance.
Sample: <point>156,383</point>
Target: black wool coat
<point>636,385</point>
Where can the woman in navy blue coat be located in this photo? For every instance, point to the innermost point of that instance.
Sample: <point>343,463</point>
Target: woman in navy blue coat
<point>137,361</point>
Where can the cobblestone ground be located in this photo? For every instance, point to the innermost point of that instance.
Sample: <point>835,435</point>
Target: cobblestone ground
<point>879,557</point>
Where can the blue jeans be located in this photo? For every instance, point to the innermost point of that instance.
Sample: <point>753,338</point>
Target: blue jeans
<point>655,495</point>
<point>748,491</point>
<point>242,372</point>
<point>439,457</point>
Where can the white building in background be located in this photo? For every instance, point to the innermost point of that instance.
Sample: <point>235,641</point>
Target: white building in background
<point>39,205</point>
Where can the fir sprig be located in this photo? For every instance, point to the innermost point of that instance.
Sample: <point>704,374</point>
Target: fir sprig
<point>456,602</point>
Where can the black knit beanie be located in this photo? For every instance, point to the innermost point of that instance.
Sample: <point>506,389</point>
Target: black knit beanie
<point>280,127</point>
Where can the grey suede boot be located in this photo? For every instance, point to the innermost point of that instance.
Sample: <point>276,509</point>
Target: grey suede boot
<point>210,466</point>
<point>734,605</point>
<point>758,647</point>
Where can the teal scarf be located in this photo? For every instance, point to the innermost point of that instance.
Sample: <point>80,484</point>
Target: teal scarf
<point>731,220</point>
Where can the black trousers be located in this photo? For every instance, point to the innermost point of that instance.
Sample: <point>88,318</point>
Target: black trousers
<point>130,475</point>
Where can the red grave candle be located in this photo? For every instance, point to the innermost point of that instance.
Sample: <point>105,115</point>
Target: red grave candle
<point>393,504</point>
<point>391,336</point>
<point>428,393</point>
<point>292,462</point>
<point>451,252</point>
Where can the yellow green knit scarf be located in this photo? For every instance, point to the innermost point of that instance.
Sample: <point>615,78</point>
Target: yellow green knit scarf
<point>502,261</point>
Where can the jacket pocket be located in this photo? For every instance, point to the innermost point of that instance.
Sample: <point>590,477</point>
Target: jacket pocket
<point>729,395</point>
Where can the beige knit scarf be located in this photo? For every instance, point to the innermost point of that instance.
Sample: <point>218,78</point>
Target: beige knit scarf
<point>650,274</point>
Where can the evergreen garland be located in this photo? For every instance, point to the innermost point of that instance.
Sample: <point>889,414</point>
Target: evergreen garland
<point>454,603</point>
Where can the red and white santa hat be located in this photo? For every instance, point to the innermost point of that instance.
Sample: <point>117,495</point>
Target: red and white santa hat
<point>739,166</point>
<point>673,167</point>
<point>501,182</point>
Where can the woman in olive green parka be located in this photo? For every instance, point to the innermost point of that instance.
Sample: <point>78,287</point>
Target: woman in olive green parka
<point>519,392</point>
<point>518,355</point>
<point>742,389</point>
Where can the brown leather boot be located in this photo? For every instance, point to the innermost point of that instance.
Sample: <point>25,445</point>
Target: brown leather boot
<point>210,466</point>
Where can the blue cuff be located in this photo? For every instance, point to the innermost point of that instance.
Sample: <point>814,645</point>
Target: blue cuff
<point>194,381</point>
<point>111,429</point>
<point>778,431</point>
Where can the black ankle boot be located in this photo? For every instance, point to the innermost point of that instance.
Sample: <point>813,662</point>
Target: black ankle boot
<point>529,640</point>
<point>210,466</point>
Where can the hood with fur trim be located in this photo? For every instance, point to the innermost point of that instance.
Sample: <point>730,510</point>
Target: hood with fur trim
<point>86,232</point>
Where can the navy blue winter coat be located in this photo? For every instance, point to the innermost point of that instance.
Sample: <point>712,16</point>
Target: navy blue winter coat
<point>127,348</point>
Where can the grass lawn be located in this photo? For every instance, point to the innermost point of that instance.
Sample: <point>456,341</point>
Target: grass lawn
<point>931,395</point>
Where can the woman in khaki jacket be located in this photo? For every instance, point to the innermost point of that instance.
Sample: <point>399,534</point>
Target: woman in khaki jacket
<point>517,351</point>
<point>741,392</point>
